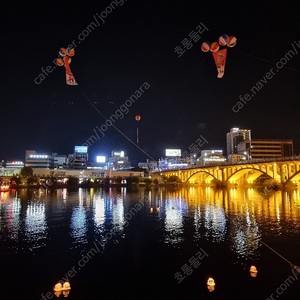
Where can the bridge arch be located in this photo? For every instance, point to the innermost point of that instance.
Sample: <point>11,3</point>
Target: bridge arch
<point>256,172</point>
<point>294,177</point>
<point>211,177</point>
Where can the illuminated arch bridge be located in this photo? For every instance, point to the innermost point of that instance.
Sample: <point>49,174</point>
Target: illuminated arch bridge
<point>283,170</point>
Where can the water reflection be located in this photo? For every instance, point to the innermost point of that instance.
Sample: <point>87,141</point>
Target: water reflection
<point>35,223</point>
<point>214,223</point>
<point>240,217</point>
<point>174,209</point>
<point>79,224</point>
<point>13,218</point>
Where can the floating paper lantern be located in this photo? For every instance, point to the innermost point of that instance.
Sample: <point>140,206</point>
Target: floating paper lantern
<point>253,271</point>
<point>66,286</point>
<point>211,284</point>
<point>58,287</point>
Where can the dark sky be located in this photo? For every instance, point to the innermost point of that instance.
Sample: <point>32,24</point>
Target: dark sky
<point>136,45</point>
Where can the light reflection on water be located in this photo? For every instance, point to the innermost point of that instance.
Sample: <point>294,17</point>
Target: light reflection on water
<point>35,224</point>
<point>239,217</point>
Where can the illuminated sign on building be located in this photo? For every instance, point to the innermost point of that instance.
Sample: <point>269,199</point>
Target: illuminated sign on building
<point>173,152</point>
<point>119,154</point>
<point>101,159</point>
<point>81,149</point>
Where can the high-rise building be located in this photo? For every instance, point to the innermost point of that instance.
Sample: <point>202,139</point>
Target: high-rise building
<point>266,148</point>
<point>234,137</point>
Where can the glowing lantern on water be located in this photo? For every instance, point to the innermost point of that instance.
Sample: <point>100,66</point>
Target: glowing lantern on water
<point>253,271</point>
<point>66,286</point>
<point>151,209</point>
<point>58,287</point>
<point>211,284</point>
<point>157,209</point>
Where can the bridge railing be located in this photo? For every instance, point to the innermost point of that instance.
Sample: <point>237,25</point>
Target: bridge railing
<point>243,162</point>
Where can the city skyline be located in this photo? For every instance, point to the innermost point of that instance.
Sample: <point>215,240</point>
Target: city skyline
<point>120,46</point>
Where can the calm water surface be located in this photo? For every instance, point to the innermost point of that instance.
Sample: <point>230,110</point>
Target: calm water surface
<point>149,244</point>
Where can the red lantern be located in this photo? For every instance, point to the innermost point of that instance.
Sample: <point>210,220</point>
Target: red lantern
<point>137,117</point>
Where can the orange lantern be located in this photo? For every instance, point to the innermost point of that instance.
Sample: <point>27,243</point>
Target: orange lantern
<point>58,287</point>
<point>211,284</point>
<point>253,271</point>
<point>137,117</point>
<point>66,286</point>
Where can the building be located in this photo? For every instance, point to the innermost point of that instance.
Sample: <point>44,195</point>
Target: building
<point>8,171</point>
<point>114,174</point>
<point>151,165</point>
<point>234,137</point>
<point>211,157</point>
<point>172,163</point>
<point>208,152</point>
<point>38,160</point>
<point>60,161</point>
<point>14,164</point>
<point>78,160</point>
<point>233,158</point>
<point>118,161</point>
<point>256,149</point>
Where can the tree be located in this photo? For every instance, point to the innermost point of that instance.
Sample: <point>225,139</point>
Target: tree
<point>15,179</point>
<point>139,169</point>
<point>133,179</point>
<point>174,179</point>
<point>119,179</point>
<point>148,180</point>
<point>72,180</point>
<point>25,173</point>
<point>30,180</point>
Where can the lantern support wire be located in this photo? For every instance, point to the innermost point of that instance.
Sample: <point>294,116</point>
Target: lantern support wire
<point>277,253</point>
<point>125,136</point>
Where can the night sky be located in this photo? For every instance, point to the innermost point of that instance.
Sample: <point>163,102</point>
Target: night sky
<point>134,45</point>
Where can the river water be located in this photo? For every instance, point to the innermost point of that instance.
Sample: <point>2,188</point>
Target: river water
<point>159,243</point>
